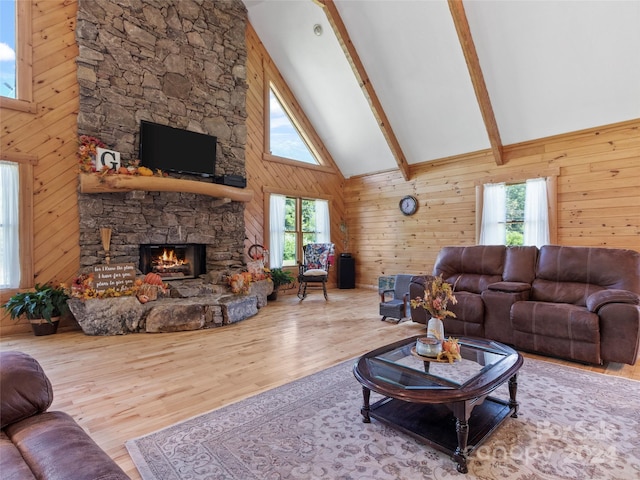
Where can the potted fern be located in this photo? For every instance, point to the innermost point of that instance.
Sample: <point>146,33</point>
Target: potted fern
<point>279,277</point>
<point>42,306</point>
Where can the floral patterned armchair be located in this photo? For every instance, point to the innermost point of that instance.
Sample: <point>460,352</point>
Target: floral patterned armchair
<point>314,272</point>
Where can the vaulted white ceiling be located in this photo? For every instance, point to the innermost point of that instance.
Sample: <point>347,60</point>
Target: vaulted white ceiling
<point>550,67</point>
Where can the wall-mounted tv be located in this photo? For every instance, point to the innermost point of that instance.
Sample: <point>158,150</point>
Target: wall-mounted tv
<point>176,150</point>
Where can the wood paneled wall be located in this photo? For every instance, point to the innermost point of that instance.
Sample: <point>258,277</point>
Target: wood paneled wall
<point>50,136</point>
<point>288,178</point>
<point>598,199</point>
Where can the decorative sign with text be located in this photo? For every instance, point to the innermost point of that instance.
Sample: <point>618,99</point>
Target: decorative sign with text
<point>119,276</point>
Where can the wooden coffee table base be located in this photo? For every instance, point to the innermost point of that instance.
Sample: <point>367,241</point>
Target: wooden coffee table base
<point>456,428</point>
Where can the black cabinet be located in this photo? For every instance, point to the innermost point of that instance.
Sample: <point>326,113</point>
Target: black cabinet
<point>346,271</point>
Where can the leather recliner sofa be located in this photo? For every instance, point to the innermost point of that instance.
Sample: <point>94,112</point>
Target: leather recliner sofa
<point>579,303</point>
<point>37,444</point>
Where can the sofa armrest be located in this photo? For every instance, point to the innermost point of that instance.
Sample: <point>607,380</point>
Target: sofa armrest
<point>619,332</point>
<point>25,390</point>
<point>509,287</point>
<point>597,300</point>
<point>416,289</point>
<point>55,447</point>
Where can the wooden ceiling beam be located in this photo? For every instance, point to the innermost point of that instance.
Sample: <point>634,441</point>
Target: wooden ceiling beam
<point>359,71</point>
<point>473,64</point>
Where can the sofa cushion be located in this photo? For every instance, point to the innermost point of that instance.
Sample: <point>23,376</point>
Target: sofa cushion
<point>571,274</point>
<point>12,464</point>
<point>561,330</point>
<point>520,264</point>
<point>562,292</point>
<point>473,267</point>
<point>470,307</point>
<point>25,390</point>
<point>558,320</point>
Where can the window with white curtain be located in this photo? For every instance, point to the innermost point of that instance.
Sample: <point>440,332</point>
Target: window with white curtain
<point>515,214</point>
<point>293,223</point>
<point>9,225</point>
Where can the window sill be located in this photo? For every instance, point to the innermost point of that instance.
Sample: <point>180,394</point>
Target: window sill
<point>18,105</point>
<point>296,163</point>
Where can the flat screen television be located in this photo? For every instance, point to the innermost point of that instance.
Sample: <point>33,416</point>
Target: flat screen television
<point>176,150</point>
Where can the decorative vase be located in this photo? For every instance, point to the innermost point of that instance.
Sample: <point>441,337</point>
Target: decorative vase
<point>435,328</point>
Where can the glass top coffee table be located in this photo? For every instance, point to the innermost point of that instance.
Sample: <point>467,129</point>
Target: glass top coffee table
<point>425,398</point>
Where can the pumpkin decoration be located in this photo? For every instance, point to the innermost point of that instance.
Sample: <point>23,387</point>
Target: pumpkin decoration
<point>450,350</point>
<point>149,287</point>
<point>153,279</point>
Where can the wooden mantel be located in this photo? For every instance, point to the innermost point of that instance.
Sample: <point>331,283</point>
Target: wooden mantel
<point>92,183</point>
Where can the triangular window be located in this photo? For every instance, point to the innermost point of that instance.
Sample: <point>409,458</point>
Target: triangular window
<point>285,139</point>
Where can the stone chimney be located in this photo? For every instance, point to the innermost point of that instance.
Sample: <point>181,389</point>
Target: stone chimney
<point>180,63</point>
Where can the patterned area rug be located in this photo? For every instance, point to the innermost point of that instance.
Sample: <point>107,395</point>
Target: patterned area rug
<point>572,424</point>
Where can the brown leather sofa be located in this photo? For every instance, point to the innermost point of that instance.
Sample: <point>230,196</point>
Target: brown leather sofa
<point>580,303</point>
<point>37,444</point>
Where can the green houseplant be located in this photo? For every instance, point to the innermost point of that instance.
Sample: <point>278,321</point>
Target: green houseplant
<point>42,306</point>
<point>279,277</point>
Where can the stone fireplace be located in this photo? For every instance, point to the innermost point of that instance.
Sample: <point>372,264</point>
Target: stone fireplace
<point>179,63</point>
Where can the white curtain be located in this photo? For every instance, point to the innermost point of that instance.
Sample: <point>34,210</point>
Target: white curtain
<point>536,213</point>
<point>9,225</point>
<point>323,225</point>
<point>494,214</point>
<point>276,230</point>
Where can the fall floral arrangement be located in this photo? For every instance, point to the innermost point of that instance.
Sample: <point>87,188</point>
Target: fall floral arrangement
<point>145,289</point>
<point>87,151</point>
<point>240,282</point>
<point>437,295</point>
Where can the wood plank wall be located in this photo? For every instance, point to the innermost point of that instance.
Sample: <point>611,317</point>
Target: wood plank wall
<point>50,135</point>
<point>265,175</point>
<point>598,199</point>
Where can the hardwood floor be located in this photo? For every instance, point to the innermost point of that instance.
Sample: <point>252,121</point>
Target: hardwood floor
<point>122,387</point>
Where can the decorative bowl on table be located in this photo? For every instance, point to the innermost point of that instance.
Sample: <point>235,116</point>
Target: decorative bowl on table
<point>428,346</point>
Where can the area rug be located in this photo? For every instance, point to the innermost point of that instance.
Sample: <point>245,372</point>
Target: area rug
<point>572,424</point>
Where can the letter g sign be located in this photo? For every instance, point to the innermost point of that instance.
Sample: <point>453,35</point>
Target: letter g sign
<point>107,158</point>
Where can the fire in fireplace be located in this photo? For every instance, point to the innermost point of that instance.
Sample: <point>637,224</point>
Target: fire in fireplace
<point>173,262</point>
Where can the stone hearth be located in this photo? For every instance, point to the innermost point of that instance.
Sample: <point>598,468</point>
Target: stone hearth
<point>190,305</point>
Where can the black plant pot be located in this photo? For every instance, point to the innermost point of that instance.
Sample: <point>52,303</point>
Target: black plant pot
<point>41,327</point>
<point>273,295</point>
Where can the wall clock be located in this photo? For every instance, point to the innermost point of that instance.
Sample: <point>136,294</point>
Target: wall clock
<point>408,205</point>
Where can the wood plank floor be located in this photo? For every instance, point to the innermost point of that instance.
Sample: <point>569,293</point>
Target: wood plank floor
<point>122,387</point>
